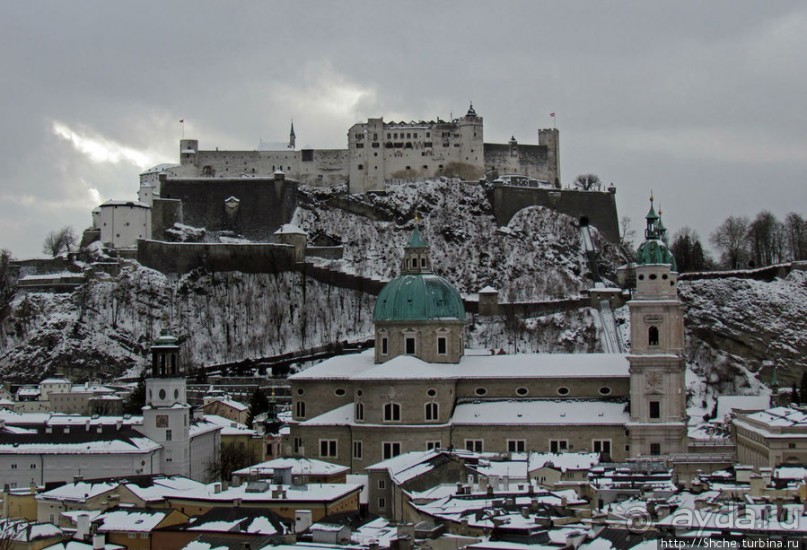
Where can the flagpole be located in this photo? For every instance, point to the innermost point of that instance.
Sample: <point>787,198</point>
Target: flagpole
<point>182,122</point>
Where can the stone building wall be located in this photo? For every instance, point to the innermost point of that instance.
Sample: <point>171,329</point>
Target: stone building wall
<point>184,257</point>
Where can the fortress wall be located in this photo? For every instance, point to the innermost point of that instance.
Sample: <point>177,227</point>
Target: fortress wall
<point>164,214</point>
<point>530,160</point>
<point>184,257</point>
<point>322,167</point>
<point>328,252</point>
<point>264,204</point>
<point>598,207</point>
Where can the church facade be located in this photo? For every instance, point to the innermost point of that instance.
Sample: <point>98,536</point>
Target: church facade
<point>420,388</point>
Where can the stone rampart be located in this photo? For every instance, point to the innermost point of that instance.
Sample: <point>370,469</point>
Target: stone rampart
<point>164,214</point>
<point>597,208</point>
<point>252,207</point>
<point>178,258</point>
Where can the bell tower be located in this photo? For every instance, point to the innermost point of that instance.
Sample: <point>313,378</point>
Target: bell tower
<point>657,373</point>
<point>166,415</point>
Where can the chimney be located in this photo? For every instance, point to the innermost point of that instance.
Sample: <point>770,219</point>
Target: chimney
<point>98,542</point>
<point>83,526</point>
<point>78,478</point>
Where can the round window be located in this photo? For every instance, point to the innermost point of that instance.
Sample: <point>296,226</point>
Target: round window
<point>300,391</point>
<point>653,276</point>
<point>431,392</point>
<point>563,390</point>
<point>339,392</point>
<point>605,390</point>
<point>162,394</point>
<point>665,277</point>
<point>522,391</point>
<point>641,277</point>
<point>359,393</point>
<point>480,391</point>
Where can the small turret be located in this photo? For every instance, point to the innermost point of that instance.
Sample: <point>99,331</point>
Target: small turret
<point>292,137</point>
<point>165,357</point>
<point>417,258</point>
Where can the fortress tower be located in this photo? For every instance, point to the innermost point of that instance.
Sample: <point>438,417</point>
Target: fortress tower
<point>166,416</point>
<point>657,374</point>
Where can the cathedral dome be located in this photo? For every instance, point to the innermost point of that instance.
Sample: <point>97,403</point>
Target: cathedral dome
<point>418,297</point>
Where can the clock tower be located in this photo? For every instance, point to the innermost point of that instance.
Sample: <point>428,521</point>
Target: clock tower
<point>657,373</point>
<point>166,415</point>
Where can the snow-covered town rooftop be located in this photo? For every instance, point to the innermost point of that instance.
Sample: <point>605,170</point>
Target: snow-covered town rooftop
<point>299,466</point>
<point>139,521</point>
<point>472,365</point>
<point>79,491</point>
<point>248,492</point>
<point>775,422</point>
<point>728,403</point>
<point>564,461</point>
<point>44,444</point>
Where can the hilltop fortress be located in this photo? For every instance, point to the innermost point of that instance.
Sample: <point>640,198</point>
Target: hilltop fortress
<point>379,151</point>
<point>250,194</point>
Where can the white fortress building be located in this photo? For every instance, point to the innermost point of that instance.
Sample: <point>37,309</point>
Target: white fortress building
<point>377,152</point>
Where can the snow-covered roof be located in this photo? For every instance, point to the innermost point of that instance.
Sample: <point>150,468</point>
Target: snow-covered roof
<point>728,403</point>
<point>488,290</point>
<point>299,466</point>
<point>56,380</point>
<point>237,405</point>
<point>229,427</point>
<point>160,486</point>
<point>159,168</point>
<point>533,365</point>
<point>78,492</point>
<point>563,461</point>
<point>131,445</point>
<point>200,427</point>
<point>139,521</point>
<point>407,465</point>
<point>113,202</point>
<point>288,228</point>
<point>775,422</point>
<point>313,492</point>
<point>541,412</point>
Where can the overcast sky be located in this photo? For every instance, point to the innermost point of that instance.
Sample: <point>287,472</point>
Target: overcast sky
<point>703,102</point>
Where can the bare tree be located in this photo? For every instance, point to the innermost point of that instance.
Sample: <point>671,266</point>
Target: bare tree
<point>7,283</point>
<point>627,233</point>
<point>588,182</point>
<point>59,241</point>
<point>765,239</point>
<point>730,239</point>
<point>795,229</point>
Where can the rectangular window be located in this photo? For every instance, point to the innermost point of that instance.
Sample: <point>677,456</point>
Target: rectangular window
<point>475,445</point>
<point>392,412</point>
<point>655,449</point>
<point>410,345</point>
<point>382,503</point>
<point>169,435</point>
<point>358,450</point>
<point>297,444</point>
<point>382,483</point>
<point>384,346</point>
<point>13,466</point>
<point>602,446</point>
<point>300,409</point>
<point>391,449</point>
<point>442,345</point>
<point>558,445</point>
<point>327,448</point>
<point>516,445</point>
<point>432,412</point>
<point>655,409</point>
<point>430,445</point>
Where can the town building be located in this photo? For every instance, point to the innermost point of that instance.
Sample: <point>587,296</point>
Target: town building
<point>421,389</point>
<point>771,437</point>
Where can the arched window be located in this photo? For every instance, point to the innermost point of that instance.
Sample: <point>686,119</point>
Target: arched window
<point>652,336</point>
<point>300,409</point>
<point>432,412</point>
<point>392,412</point>
<point>359,410</point>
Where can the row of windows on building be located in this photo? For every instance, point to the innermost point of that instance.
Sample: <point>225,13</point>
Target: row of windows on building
<point>329,448</point>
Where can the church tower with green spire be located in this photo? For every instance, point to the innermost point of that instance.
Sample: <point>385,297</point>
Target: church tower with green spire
<point>658,399</point>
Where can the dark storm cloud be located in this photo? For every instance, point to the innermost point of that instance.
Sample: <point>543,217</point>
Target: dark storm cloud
<point>701,102</point>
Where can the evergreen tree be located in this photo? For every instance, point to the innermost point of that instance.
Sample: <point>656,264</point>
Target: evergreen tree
<point>137,399</point>
<point>794,395</point>
<point>257,405</point>
<point>803,388</point>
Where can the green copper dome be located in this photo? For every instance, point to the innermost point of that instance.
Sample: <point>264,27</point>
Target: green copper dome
<point>655,252</point>
<point>418,297</point>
